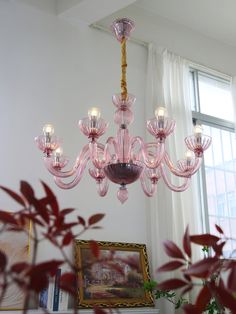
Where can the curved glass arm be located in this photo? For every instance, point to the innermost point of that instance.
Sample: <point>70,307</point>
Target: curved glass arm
<point>152,160</point>
<point>84,156</point>
<point>149,187</point>
<point>175,188</point>
<point>182,171</point>
<point>77,178</point>
<point>102,187</point>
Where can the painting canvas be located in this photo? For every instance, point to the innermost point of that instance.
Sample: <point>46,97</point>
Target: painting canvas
<point>16,247</point>
<point>116,278</point>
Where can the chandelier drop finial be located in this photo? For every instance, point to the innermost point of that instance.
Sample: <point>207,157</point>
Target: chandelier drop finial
<point>124,158</point>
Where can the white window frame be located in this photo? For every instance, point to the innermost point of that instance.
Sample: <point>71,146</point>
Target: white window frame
<point>200,118</point>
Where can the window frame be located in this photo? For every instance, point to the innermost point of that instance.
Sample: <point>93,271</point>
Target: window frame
<point>200,118</point>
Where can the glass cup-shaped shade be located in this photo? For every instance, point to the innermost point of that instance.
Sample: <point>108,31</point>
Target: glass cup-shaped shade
<point>93,130</point>
<point>47,147</point>
<point>196,146</point>
<point>161,133</point>
<point>121,103</point>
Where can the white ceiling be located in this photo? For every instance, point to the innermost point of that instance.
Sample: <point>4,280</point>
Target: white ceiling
<point>213,18</point>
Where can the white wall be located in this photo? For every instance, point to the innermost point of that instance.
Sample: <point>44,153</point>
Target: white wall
<point>179,39</point>
<point>53,72</point>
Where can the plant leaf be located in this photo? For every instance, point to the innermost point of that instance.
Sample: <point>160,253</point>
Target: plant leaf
<point>52,200</point>
<point>94,248</point>
<point>171,284</point>
<point>173,250</point>
<point>81,221</point>
<point>204,239</point>
<point>203,268</point>
<point>67,238</point>
<point>203,299</point>
<point>3,261</point>
<point>186,243</point>
<point>171,266</point>
<point>27,191</point>
<point>95,219</point>
<point>18,198</point>
<point>218,228</point>
<point>232,279</point>
<point>66,211</point>
<point>7,218</point>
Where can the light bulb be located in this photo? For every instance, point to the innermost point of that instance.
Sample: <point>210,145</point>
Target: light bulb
<point>48,129</point>
<point>94,113</point>
<point>198,129</point>
<point>58,152</point>
<point>188,155</point>
<point>160,112</point>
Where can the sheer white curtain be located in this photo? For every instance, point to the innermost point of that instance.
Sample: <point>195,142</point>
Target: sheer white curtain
<point>170,212</point>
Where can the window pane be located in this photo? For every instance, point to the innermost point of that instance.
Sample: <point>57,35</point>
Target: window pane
<point>220,174</point>
<point>215,97</point>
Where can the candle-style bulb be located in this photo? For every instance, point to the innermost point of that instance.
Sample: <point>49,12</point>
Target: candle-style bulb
<point>94,113</point>
<point>198,129</point>
<point>48,129</point>
<point>160,112</point>
<point>58,152</point>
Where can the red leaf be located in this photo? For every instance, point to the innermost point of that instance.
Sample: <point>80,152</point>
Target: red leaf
<point>190,309</point>
<point>67,239</point>
<point>232,279</point>
<point>27,191</point>
<point>41,209</point>
<point>19,267</point>
<point>7,218</point>
<point>204,239</point>
<point>225,298</point>
<point>95,218</point>
<point>45,267</point>
<point>218,228</point>
<point>186,243</point>
<point>3,261</point>
<point>173,250</point>
<point>18,198</point>
<point>52,199</point>
<point>94,248</point>
<point>218,248</point>
<point>98,310</point>
<point>170,266</point>
<point>203,268</point>
<point>187,289</point>
<point>203,299</point>
<point>68,283</point>
<point>171,284</point>
<point>81,221</point>
<point>66,211</point>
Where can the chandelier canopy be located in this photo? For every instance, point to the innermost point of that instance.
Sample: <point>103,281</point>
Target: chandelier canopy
<point>124,159</point>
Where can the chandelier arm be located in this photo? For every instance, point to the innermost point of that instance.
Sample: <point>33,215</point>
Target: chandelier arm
<point>76,180</point>
<point>65,174</point>
<point>143,152</point>
<point>102,187</point>
<point>149,191</point>
<point>171,186</point>
<point>182,173</point>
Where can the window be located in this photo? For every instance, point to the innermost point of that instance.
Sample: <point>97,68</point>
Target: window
<point>212,107</point>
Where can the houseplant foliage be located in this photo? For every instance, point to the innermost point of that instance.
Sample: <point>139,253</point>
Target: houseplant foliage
<point>49,223</point>
<point>215,275</point>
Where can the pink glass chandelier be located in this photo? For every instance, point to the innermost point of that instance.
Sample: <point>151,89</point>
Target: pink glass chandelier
<point>124,158</point>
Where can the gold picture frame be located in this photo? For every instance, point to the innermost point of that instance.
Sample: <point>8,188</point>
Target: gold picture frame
<point>115,279</point>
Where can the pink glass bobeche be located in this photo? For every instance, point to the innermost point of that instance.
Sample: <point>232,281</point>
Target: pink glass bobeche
<point>124,158</point>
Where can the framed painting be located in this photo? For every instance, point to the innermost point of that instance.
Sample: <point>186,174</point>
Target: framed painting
<point>113,279</point>
<point>16,246</point>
